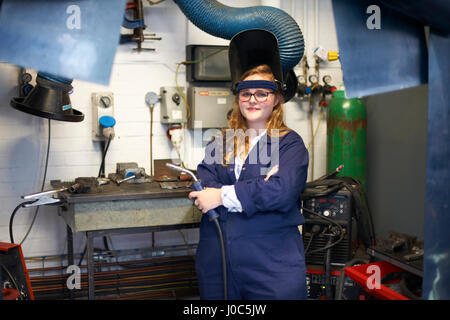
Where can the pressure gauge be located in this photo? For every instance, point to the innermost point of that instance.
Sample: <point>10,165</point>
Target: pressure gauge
<point>301,80</point>
<point>326,79</point>
<point>105,101</point>
<point>151,98</point>
<point>26,77</point>
<point>313,78</point>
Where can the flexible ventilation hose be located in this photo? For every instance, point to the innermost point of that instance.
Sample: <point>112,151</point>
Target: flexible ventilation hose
<point>224,22</point>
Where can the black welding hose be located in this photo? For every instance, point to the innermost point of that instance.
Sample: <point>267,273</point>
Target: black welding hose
<point>328,292</point>
<point>43,183</point>
<point>331,222</point>
<point>101,172</point>
<point>224,259</point>
<point>11,220</point>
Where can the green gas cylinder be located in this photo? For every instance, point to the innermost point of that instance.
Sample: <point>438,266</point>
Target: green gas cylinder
<point>346,136</point>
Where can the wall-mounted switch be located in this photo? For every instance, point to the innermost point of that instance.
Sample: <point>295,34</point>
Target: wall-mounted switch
<point>173,107</point>
<point>102,114</point>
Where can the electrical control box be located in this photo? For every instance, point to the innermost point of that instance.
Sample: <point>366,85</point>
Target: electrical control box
<point>102,105</point>
<point>173,106</point>
<point>337,206</point>
<point>210,105</point>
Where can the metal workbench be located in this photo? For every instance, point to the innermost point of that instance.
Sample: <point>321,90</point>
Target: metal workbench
<point>125,209</point>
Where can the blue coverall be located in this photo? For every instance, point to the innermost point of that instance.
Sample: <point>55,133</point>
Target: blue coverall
<point>264,248</point>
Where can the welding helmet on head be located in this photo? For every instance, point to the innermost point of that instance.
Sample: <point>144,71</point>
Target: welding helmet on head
<point>254,47</point>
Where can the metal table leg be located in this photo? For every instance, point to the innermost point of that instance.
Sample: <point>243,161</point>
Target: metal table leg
<point>90,235</point>
<point>70,254</point>
<point>90,263</point>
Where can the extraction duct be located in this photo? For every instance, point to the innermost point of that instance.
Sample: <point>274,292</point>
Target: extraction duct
<point>225,22</point>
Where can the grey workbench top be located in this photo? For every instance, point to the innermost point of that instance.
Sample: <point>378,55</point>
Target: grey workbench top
<point>125,191</point>
<point>128,206</point>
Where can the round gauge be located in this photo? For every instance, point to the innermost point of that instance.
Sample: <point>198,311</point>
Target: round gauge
<point>151,98</point>
<point>313,78</point>
<point>326,79</point>
<point>26,77</point>
<point>301,79</point>
<point>105,101</point>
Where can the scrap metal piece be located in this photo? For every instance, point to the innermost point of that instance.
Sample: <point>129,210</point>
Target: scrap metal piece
<point>175,185</point>
<point>162,172</point>
<point>416,255</point>
<point>85,185</point>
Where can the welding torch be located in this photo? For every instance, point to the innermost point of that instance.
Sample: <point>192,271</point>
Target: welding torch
<point>213,216</point>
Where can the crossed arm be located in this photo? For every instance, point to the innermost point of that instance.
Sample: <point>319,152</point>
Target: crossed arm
<point>273,192</point>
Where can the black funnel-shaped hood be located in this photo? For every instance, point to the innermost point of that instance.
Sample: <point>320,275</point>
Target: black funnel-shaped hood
<point>49,99</point>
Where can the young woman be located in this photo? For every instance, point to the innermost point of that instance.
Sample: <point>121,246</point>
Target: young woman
<point>258,201</point>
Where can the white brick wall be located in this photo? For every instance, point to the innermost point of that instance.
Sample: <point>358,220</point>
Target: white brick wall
<point>23,138</point>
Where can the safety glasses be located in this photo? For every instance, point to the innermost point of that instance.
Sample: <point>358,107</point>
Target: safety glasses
<point>260,96</point>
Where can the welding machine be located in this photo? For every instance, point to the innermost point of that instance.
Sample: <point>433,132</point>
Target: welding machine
<point>325,218</point>
<point>316,283</point>
<point>15,281</point>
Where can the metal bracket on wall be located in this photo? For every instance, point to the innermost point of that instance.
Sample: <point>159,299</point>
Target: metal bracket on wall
<point>138,26</point>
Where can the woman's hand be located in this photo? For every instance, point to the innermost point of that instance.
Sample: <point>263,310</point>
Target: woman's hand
<point>207,199</point>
